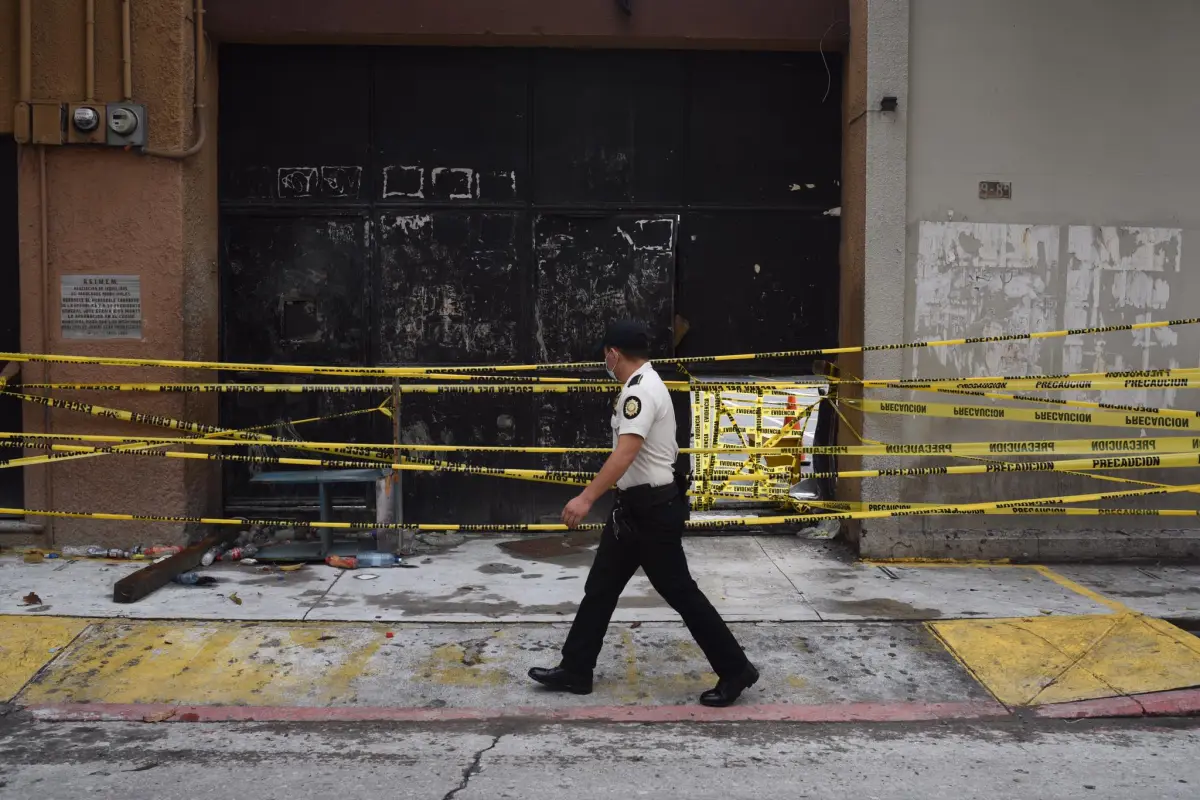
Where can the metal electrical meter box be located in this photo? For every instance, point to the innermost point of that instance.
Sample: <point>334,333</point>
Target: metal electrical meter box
<point>85,123</point>
<point>125,125</point>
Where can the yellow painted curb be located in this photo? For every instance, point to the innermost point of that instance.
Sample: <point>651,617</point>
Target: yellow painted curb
<point>1063,659</point>
<point>29,643</point>
<point>209,663</point>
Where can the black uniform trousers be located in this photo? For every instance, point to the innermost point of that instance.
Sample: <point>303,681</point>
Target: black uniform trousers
<point>646,530</point>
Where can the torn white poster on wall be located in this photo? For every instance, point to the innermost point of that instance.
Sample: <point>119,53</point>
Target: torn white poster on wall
<point>987,279</point>
<point>984,279</point>
<point>1115,276</point>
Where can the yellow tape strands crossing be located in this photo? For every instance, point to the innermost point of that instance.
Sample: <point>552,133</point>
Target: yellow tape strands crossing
<point>182,425</point>
<point>560,386</point>
<point>18,439</point>
<point>63,451</point>
<point>1094,443</point>
<point>790,519</point>
<point>393,372</point>
<point>408,465</point>
<point>1131,419</point>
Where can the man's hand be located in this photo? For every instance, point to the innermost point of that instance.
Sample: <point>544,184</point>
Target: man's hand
<point>628,445</point>
<point>575,511</point>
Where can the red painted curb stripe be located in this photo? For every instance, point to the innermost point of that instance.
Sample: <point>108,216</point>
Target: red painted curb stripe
<point>1178,703</point>
<point>1090,709</point>
<point>843,712</point>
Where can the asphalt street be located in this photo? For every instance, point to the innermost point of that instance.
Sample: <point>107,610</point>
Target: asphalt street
<point>1015,758</point>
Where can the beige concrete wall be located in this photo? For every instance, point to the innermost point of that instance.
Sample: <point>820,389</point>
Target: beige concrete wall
<point>108,211</point>
<point>1085,108</point>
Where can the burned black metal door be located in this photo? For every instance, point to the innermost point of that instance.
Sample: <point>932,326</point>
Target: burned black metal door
<point>453,206</point>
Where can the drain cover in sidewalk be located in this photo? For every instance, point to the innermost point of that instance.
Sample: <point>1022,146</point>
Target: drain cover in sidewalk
<point>1064,659</point>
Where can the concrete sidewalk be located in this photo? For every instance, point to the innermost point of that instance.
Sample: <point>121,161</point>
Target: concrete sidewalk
<point>749,579</point>
<point>835,639</point>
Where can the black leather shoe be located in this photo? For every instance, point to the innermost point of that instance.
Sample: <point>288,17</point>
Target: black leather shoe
<point>563,680</point>
<point>730,689</point>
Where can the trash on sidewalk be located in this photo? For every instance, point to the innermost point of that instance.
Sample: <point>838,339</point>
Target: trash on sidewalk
<point>370,559</point>
<point>287,567</point>
<point>825,529</point>
<point>366,576</point>
<point>137,552</point>
<point>33,558</point>
<point>161,716</point>
<point>238,553</point>
<point>376,559</point>
<point>195,579</point>
<point>32,599</point>
<point>162,550</point>
<point>234,597</point>
<point>134,587</point>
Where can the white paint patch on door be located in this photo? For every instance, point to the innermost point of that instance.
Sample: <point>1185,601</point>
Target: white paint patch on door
<point>404,180</point>
<point>457,183</point>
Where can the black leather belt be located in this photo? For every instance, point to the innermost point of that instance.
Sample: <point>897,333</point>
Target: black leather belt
<point>647,495</point>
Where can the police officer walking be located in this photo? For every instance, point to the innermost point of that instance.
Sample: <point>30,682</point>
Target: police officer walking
<point>645,529</point>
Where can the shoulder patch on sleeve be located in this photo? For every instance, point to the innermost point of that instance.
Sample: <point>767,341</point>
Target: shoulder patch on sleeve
<point>635,380</point>
<point>632,407</point>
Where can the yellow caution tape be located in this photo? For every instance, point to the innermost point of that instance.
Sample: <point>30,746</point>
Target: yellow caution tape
<point>560,386</point>
<point>1190,459</point>
<point>435,448</point>
<point>1032,510</point>
<point>412,465</point>
<point>1186,459</point>
<point>1173,444</point>
<point>61,451</point>
<point>1167,412</point>
<point>181,425</point>
<point>790,519</point>
<point>410,371</point>
<point>1096,384</point>
<point>1127,379</point>
<point>1132,419</point>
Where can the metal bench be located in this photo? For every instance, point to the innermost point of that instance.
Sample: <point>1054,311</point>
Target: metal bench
<point>324,478</point>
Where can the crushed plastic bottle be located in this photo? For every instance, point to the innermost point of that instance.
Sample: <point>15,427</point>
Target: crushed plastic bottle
<point>238,553</point>
<point>373,559</point>
<point>162,550</point>
<point>83,551</point>
<point>94,551</point>
<point>194,579</point>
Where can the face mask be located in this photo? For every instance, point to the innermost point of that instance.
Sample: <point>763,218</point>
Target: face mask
<point>609,368</point>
